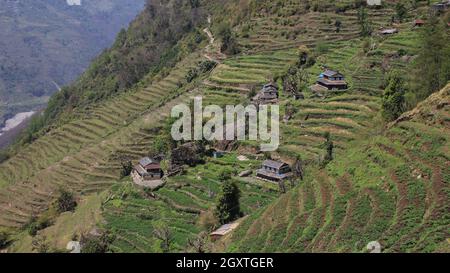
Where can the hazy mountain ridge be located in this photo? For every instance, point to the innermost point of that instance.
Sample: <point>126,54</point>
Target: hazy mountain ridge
<point>47,44</point>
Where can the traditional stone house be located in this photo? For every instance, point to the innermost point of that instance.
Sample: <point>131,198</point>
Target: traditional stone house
<point>148,169</point>
<point>267,95</point>
<point>332,80</point>
<point>274,171</point>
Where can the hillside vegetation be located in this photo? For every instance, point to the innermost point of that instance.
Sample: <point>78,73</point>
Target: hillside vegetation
<point>386,182</point>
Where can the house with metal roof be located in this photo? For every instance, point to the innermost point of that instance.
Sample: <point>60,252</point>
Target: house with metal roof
<point>331,79</point>
<point>148,169</point>
<point>274,171</point>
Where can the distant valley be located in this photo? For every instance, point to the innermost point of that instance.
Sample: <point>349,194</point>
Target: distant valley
<point>46,44</point>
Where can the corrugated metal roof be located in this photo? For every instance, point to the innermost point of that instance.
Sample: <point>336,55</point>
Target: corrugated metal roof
<point>273,163</point>
<point>146,161</point>
<point>225,229</point>
<point>331,73</point>
<point>140,170</point>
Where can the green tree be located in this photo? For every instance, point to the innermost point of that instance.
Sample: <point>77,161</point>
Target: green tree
<point>432,66</point>
<point>229,43</point>
<point>228,207</point>
<point>393,100</point>
<point>364,23</point>
<point>401,11</point>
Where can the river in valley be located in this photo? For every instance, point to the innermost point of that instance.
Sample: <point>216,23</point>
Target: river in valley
<point>13,127</point>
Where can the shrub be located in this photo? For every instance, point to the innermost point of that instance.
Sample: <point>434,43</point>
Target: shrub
<point>4,238</point>
<point>65,201</point>
<point>96,244</point>
<point>127,167</point>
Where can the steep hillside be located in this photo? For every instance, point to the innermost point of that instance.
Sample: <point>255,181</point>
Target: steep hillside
<point>47,44</point>
<point>117,110</point>
<point>393,188</point>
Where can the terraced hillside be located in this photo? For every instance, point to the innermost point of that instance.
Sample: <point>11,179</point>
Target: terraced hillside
<point>179,205</point>
<point>392,189</point>
<point>85,154</point>
<point>379,187</point>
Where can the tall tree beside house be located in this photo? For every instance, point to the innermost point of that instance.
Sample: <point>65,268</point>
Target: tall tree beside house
<point>393,100</point>
<point>432,66</point>
<point>228,206</point>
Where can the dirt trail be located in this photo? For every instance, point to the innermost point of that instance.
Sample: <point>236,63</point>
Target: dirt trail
<point>212,50</point>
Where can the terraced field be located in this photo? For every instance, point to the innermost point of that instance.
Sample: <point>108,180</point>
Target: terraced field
<point>383,188</point>
<point>133,218</point>
<point>391,189</point>
<point>85,155</point>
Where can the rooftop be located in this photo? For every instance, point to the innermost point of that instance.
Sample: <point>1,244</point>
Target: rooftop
<point>273,164</point>
<point>331,73</point>
<point>147,161</point>
<point>225,229</point>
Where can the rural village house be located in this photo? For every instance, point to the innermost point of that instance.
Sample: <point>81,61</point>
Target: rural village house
<point>147,169</point>
<point>268,94</point>
<point>331,80</point>
<point>274,171</point>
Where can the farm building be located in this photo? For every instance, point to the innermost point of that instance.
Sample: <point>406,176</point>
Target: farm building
<point>374,2</point>
<point>268,94</point>
<point>332,80</point>
<point>223,230</point>
<point>274,171</point>
<point>147,170</point>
